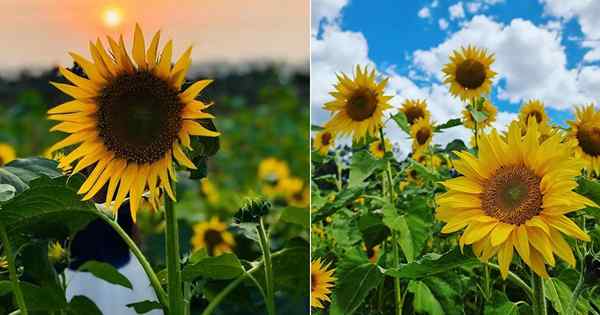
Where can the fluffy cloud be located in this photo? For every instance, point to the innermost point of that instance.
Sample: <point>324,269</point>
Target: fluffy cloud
<point>325,10</point>
<point>530,61</point>
<point>443,23</point>
<point>424,13</point>
<point>456,11</point>
<point>473,7</point>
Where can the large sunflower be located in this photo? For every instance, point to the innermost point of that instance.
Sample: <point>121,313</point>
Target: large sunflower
<point>490,111</point>
<point>515,195</point>
<point>213,236</point>
<point>7,154</point>
<point>415,110</point>
<point>422,133</point>
<point>469,72</point>
<point>359,104</point>
<point>324,139</point>
<point>378,149</point>
<point>130,119</point>
<point>585,134</point>
<point>321,282</point>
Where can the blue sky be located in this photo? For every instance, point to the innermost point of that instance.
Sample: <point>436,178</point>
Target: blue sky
<point>546,49</point>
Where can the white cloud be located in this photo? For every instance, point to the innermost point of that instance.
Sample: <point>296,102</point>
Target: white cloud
<point>434,4</point>
<point>530,59</point>
<point>594,53</point>
<point>456,11</point>
<point>325,10</point>
<point>424,13</point>
<point>443,23</point>
<point>473,7</point>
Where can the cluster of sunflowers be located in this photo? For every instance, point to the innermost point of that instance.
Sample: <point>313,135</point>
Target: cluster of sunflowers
<point>277,183</point>
<point>509,193</point>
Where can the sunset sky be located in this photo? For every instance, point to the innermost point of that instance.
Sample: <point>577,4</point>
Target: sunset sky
<point>230,31</point>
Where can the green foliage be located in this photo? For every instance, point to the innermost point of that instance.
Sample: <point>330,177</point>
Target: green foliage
<point>106,272</point>
<point>226,266</point>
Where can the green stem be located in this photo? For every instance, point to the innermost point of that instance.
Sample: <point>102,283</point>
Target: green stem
<point>396,252</point>
<point>488,289</point>
<point>160,293</point>
<point>516,280</point>
<point>214,303</point>
<point>173,268</point>
<point>12,270</point>
<point>580,283</point>
<point>266,249</point>
<point>539,299</point>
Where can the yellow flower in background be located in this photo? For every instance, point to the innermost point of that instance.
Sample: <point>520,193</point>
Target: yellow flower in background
<point>130,119</point>
<point>300,199</point>
<point>359,104</point>
<point>515,195</point>
<point>321,283</point>
<point>490,111</point>
<point>403,184</point>
<point>213,236</point>
<point>272,172</point>
<point>294,191</point>
<point>469,72</point>
<point>7,154</point>
<point>421,132</point>
<point>3,262</point>
<point>414,110</point>
<point>56,252</point>
<point>209,190</point>
<point>378,150</point>
<point>427,159</point>
<point>324,140</point>
<point>360,201</point>
<point>373,253</point>
<point>585,136</point>
<point>535,109</point>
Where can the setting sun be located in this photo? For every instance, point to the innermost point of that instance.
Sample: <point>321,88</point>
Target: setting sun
<point>112,17</point>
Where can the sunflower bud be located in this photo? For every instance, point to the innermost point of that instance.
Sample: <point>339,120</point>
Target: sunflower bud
<point>252,211</point>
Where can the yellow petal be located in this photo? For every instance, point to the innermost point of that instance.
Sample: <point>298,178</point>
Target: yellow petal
<point>164,65</point>
<point>477,231</point>
<point>73,91</point>
<point>541,243</point>
<point>83,83</point>
<point>139,47</point>
<point>192,91</point>
<point>89,68</point>
<point>98,154</point>
<point>137,189</point>
<point>87,185</point>
<point>505,257</point>
<point>196,129</point>
<point>562,248</point>
<point>521,242</point>
<point>566,226</point>
<point>463,184</point>
<point>537,263</point>
<point>126,180</point>
<point>114,179</point>
<point>181,157</point>
<point>501,233</point>
<point>73,107</point>
<point>151,53</point>
<point>73,139</point>
<point>104,177</point>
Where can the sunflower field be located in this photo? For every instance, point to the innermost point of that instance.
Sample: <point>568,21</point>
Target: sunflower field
<point>507,223</point>
<point>200,174</point>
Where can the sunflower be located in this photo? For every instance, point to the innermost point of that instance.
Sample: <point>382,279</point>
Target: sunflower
<point>585,136</point>
<point>56,252</point>
<point>469,72</point>
<point>213,236</point>
<point>3,262</point>
<point>378,150</point>
<point>535,109</point>
<point>324,139</point>
<point>430,160</point>
<point>359,104</point>
<point>415,110</point>
<point>421,132</point>
<point>7,154</point>
<point>321,282</point>
<point>373,253</point>
<point>272,172</point>
<point>130,120</point>
<point>515,194</point>
<point>488,109</point>
<point>208,190</point>
<point>294,191</point>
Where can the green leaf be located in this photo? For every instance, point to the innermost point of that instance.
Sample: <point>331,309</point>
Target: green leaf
<point>145,306</point>
<point>478,116</point>
<point>83,305</point>
<point>300,216</point>
<point>588,188</point>
<point>449,124</point>
<point>316,128</point>
<point>354,286</point>
<point>372,229</point>
<point>424,301</point>
<point>291,268</point>
<point>7,192</point>
<point>447,288</point>
<point>500,305</point>
<point>413,226</point>
<point>5,287</point>
<point>560,295</point>
<point>363,165</point>
<point>20,172</point>
<point>43,298</point>
<point>106,272</point>
<point>342,199</point>
<point>400,119</point>
<point>226,266</point>
<point>432,264</point>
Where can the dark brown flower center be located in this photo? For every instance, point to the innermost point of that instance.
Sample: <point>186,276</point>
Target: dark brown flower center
<point>423,135</point>
<point>470,74</point>
<point>326,138</point>
<point>212,238</point>
<point>370,252</point>
<point>362,104</point>
<point>413,113</point>
<point>589,140</point>
<point>313,282</point>
<point>139,117</point>
<point>380,146</point>
<point>512,194</point>
<point>538,116</point>
<point>1,161</point>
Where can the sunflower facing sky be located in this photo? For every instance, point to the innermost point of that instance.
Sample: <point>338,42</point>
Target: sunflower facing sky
<point>469,72</point>
<point>421,132</point>
<point>490,111</point>
<point>585,133</point>
<point>213,236</point>
<point>324,140</point>
<point>321,283</point>
<point>130,119</point>
<point>378,149</point>
<point>415,110</point>
<point>359,104</point>
<point>7,154</point>
<point>515,195</point>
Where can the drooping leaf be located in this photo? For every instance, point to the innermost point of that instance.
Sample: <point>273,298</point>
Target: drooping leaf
<point>449,124</point>
<point>424,301</point>
<point>559,294</point>
<point>226,266</point>
<point>83,305</point>
<point>402,121</point>
<point>413,226</point>
<point>363,165</point>
<point>432,264</point>
<point>20,172</point>
<point>291,268</point>
<point>354,283</point>
<point>372,229</point>
<point>145,306</point>
<point>106,272</point>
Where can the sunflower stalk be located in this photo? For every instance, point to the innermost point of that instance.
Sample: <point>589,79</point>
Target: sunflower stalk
<point>176,303</point>
<point>539,297</point>
<point>266,250</point>
<point>12,270</point>
<point>395,249</point>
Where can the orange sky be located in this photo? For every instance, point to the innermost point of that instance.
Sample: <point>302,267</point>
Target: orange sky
<point>40,32</point>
